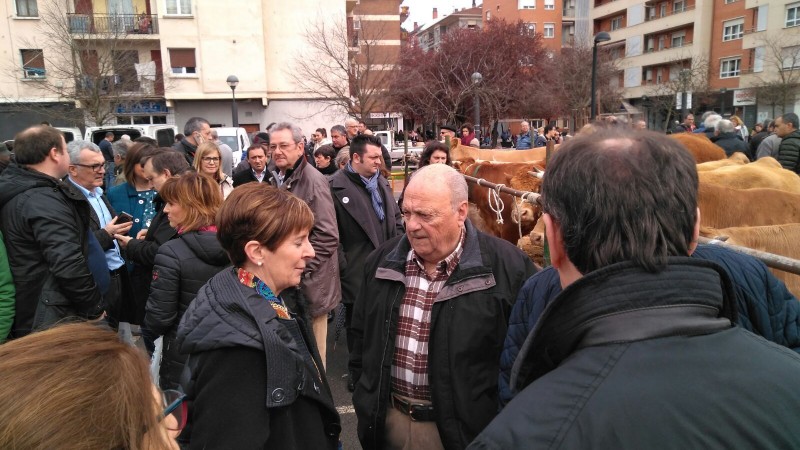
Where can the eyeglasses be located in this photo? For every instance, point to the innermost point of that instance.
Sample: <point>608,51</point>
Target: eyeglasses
<point>175,407</point>
<point>285,146</point>
<point>94,167</point>
<point>210,159</point>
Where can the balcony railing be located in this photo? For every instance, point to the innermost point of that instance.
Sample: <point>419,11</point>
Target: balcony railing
<point>112,23</point>
<point>569,12</point>
<point>649,18</point>
<point>655,49</point>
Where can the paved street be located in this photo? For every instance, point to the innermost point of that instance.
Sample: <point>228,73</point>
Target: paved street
<point>337,371</point>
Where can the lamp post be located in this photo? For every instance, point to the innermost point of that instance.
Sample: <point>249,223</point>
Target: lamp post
<point>685,74</point>
<point>722,99</point>
<point>233,82</point>
<point>645,99</point>
<point>476,79</point>
<point>600,37</point>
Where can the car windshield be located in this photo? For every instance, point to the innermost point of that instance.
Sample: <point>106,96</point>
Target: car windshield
<point>230,141</point>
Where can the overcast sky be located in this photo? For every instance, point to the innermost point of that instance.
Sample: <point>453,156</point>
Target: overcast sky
<point>421,11</point>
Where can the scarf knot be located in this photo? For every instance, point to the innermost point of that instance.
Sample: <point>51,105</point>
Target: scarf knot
<point>374,192</point>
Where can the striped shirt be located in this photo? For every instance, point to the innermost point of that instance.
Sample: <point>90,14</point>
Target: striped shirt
<point>410,361</point>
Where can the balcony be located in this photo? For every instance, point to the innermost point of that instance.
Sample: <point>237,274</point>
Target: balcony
<point>650,18</point>
<point>569,13</point>
<point>113,24</point>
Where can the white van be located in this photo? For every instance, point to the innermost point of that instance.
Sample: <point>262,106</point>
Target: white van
<point>70,133</point>
<point>163,134</point>
<point>237,139</point>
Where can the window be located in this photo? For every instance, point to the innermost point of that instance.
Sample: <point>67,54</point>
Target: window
<point>182,61</point>
<point>549,30</point>
<point>678,39</point>
<point>616,23</point>
<point>663,9</point>
<point>661,42</point>
<point>179,7</point>
<point>728,2</point>
<point>529,29</point>
<point>648,76</point>
<point>527,4</point>
<point>27,8</point>
<point>488,16</point>
<point>791,57</point>
<point>729,68</point>
<point>678,6</point>
<point>32,63</point>
<point>732,29</point>
<point>549,4</point>
<point>793,15</point>
<point>356,24</point>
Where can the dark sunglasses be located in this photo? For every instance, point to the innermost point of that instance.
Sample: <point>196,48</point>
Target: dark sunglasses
<point>176,407</point>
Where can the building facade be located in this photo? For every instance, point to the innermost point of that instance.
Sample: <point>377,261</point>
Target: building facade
<point>562,23</point>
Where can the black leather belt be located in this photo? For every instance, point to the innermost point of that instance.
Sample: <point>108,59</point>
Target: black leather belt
<point>416,411</point>
<point>117,272</point>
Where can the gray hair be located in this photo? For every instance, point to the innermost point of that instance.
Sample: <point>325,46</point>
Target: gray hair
<point>725,126</point>
<point>120,148</point>
<point>706,115</point>
<point>712,120</point>
<point>214,134</point>
<point>351,120</point>
<point>297,133</point>
<point>339,129</point>
<point>438,177</point>
<point>342,156</point>
<point>194,124</point>
<point>74,149</point>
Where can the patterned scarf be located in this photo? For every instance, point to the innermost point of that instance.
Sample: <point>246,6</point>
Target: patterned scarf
<point>372,187</point>
<point>250,280</point>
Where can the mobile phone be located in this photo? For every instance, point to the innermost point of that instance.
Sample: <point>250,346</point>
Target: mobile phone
<point>124,217</point>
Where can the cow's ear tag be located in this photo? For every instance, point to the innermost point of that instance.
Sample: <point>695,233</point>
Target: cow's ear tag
<point>346,200</point>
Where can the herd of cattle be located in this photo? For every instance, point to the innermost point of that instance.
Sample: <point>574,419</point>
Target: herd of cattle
<point>755,205</point>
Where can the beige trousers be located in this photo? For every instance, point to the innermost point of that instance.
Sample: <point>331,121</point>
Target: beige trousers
<point>319,326</point>
<point>404,434</point>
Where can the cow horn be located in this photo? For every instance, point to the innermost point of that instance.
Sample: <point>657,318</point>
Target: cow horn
<point>538,175</point>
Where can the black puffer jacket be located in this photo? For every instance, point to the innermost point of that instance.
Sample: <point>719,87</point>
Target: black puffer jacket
<point>182,267</point>
<point>789,151</point>
<point>45,225</point>
<point>187,149</point>
<point>731,143</point>
<point>468,326</point>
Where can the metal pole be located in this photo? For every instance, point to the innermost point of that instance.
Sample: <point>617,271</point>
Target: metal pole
<point>775,261</point>
<point>477,117</point>
<point>722,107</point>
<point>683,103</point>
<point>594,82</point>
<point>234,110</point>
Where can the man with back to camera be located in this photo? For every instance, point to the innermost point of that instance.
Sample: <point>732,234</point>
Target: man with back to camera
<point>108,156</point>
<point>197,130</point>
<point>366,215</point>
<point>639,350</point>
<point>45,224</point>
<point>429,322</point>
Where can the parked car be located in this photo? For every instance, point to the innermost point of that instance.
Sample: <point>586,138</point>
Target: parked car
<point>237,139</point>
<point>163,134</point>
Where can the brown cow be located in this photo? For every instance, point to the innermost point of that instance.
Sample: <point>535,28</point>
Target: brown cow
<point>736,159</point>
<point>777,239</point>
<point>700,147</point>
<point>722,207</point>
<point>460,152</point>
<point>764,173</point>
<point>516,213</point>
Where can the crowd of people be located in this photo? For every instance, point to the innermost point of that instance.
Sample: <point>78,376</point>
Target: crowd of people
<point>635,336</point>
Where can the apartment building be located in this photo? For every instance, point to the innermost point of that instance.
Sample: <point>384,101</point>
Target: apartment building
<point>172,58</point>
<point>654,41</point>
<point>430,35</point>
<point>561,23</point>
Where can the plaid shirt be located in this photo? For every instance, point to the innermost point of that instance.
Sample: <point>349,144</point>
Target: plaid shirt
<point>410,361</point>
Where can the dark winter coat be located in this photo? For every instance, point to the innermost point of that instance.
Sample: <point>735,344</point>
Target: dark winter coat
<point>789,151</point>
<point>630,359</point>
<point>182,267</point>
<point>764,304</point>
<point>143,253</point>
<point>731,143</point>
<point>320,282</point>
<point>468,325</point>
<point>45,225</point>
<point>358,227</point>
<point>187,150</point>
<point>754,142</point>
<point>246,176</point>
<point>253,381</point>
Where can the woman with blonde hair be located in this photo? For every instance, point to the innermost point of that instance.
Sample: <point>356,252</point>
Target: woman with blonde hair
<point>240,333</point>
<point>741,128</point>
<point>208,161</point>
<point>183,264</point>
<point>78,387</point>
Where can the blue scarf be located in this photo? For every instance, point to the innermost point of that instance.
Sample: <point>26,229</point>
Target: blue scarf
<point>372,187</point>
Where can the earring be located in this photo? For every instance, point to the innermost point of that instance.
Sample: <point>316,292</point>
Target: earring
<point>260,263</point>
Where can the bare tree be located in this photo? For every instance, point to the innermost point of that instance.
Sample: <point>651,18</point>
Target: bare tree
<point>89,59</point>
<point>692,77</point>
<point>778,83</point>
<point>346,67</point>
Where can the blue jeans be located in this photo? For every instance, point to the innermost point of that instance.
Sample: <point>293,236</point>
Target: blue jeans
<point>108,181</point>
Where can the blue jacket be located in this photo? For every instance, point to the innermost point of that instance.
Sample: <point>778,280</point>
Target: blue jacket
<point>764,305</point>
<point>125,198</point>
<point>524,141</point>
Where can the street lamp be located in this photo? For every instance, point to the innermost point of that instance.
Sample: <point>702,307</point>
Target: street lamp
<point>476,79</point>
<point>600,37</point>
<point>685,74</point>
<point>645,99</point>
<point>722,99</point>
<point>233,82</point>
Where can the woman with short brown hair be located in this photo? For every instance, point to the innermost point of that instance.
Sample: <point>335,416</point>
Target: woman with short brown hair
<point>240,333</point>
<point>184,264</point>
<point>77,386</point>
<point>208,161</point>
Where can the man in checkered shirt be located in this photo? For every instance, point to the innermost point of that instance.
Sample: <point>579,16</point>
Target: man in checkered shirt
<point>430,322</point>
